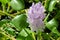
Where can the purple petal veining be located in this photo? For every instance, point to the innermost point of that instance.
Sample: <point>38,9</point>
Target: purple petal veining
<point>36,16</point>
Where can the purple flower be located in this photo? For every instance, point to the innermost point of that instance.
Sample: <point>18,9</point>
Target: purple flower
<point>36,16</point>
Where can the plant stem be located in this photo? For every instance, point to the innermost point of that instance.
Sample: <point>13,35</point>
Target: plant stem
<point>8,7</point>
<point>3,7</point>
<point>7,13</point>
<point>39,37</point>
<point>7,35</point>
<point>10,11</point>
<point>45,20</point>
<point>33,36</point>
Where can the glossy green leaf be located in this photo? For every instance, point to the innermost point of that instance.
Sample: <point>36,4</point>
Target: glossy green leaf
<point>52,5</point>
<point>54,30</point>
<point>20,21</point>
<point>3,22</point>
<point>23,33</point>
<point>52,23</point>
<point>17,4</point>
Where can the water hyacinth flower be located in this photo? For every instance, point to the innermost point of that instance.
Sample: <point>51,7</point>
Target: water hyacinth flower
<point>36,16</point>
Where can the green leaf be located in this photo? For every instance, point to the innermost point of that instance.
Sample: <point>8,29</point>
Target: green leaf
<point>29,38</point>
<point>17,4</point>
<point>20,38</point>
<point>47,4</point>
<point>54,30</point>
<point>20,21</point>
<point>28,31</point>
<point>52,23</point>
<point>3,22</point>
<point>9,30</point>
<point>52,5</point>
<point>3,1</point>
<point>23,33</point>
